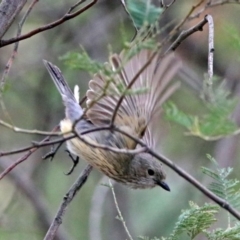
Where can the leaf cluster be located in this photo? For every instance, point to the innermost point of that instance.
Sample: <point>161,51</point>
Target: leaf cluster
<point>143,12</point>
<point>197,220</point>
<point>216,122</point>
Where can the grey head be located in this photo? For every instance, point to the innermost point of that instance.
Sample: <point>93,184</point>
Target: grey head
<point>146,172</point>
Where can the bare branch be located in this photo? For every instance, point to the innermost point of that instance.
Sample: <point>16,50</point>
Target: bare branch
<point>9,9</point>
<point>211,5</point>
<point>35,131</point>
<point>108,148</point>
<point>51,25</point>
<point>119,211</point>
<point>184,34</point>
<point>209,83</point>
<point>166,6</point>
<point>36,198</point>
<point>177,28</point>
<point>96,209</point>
<point>66,201</point>
<point>48,143</point>
<point>14,53</point>
<point>36,145</point>
<point>23,158</point>
<point>224,204</point>
<point>221,202</point>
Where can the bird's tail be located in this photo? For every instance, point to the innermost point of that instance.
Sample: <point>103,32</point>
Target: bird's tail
<point>73,110</point>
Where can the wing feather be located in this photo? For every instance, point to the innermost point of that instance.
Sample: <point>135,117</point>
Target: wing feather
<point>136,109</point>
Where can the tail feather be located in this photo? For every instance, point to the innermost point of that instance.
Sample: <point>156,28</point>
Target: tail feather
<point>73,110</point>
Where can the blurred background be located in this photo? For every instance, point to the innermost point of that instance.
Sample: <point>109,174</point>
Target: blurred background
<point>32,193</point>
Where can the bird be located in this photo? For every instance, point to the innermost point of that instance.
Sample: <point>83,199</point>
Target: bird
<point>150,77</point>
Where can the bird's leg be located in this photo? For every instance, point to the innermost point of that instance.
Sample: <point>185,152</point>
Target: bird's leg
<point>74,160</point>
<point>52,153</point>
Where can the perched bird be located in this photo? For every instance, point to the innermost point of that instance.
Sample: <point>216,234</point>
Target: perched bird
<point>138,115</point>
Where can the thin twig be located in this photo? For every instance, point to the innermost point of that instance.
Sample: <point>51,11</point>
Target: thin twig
<point>15,49</point>
<point>23,158</point>
<point>51,25</point>
<point>224,204</point>
<point>166,6</point>
<point>176,28</point>
<point>212,138</point>
<point>184,34</point>
<point>96,210</point>
<point>81,138</point>
<point>34,131</point>
<point>209,82</point>
<point>119,211</point>
<point>108,148</point>
<point>66,201</point>
<point>126,10</point>
<point>76,5</point>
<point>129,86</point>
<point>211,5</point>
<point>9,9</point>
<point>221,202</point>
<point>36,198</point>
<point>36,145</point>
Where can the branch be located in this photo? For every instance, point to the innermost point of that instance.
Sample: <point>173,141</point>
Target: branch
<point>119,211</point>
<point>36,145</point>
<point>35,131</point>
<point>176,29</point>
<point>184,34</point>
<point>221,202</point>
<point>224,204</point>
<point>129,86</point>
<point>210,5</point>
<point>209,93</point>
<point>66,201</point>
<point>51,25</point>
<point>108,148</point>
<point>23,158</point>
<point>9,9</point>
<point>81,138</point>
<point>15,49</point>
<point>96,209</point>
<point>166,6</point>
<point>36,198</point>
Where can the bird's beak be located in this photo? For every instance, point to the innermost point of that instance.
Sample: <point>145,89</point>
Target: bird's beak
<point>164,185</point>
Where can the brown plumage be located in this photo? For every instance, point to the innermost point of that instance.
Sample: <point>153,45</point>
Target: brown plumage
<point>138,115</point>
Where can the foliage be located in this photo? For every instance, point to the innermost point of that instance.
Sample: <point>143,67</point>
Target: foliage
<point>232,233</point>
<point>81,61</point>
<point>222,186</point>
<point>194,220</point>
<point>25,108</point>
<point>143,12</point>
<point>197,220</point>
<point>215,123</point>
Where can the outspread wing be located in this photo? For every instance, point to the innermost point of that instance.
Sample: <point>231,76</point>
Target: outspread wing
<point>140,106</point>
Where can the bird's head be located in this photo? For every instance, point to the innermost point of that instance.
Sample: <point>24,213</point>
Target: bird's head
<point>146,172</point>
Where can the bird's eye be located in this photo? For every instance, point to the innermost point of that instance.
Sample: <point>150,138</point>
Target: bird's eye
<point>150,172</point>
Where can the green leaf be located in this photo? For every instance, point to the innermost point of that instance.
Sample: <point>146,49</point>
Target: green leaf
<point>194,220</point>
<point>222,186</point>
<point>216,123</point>
<point>178,116</point>
<point>143,12</point>
<point>81,61</point>
<point>231,233</point>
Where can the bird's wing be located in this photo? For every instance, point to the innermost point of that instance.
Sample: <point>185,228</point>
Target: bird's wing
<point>139,107</point>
